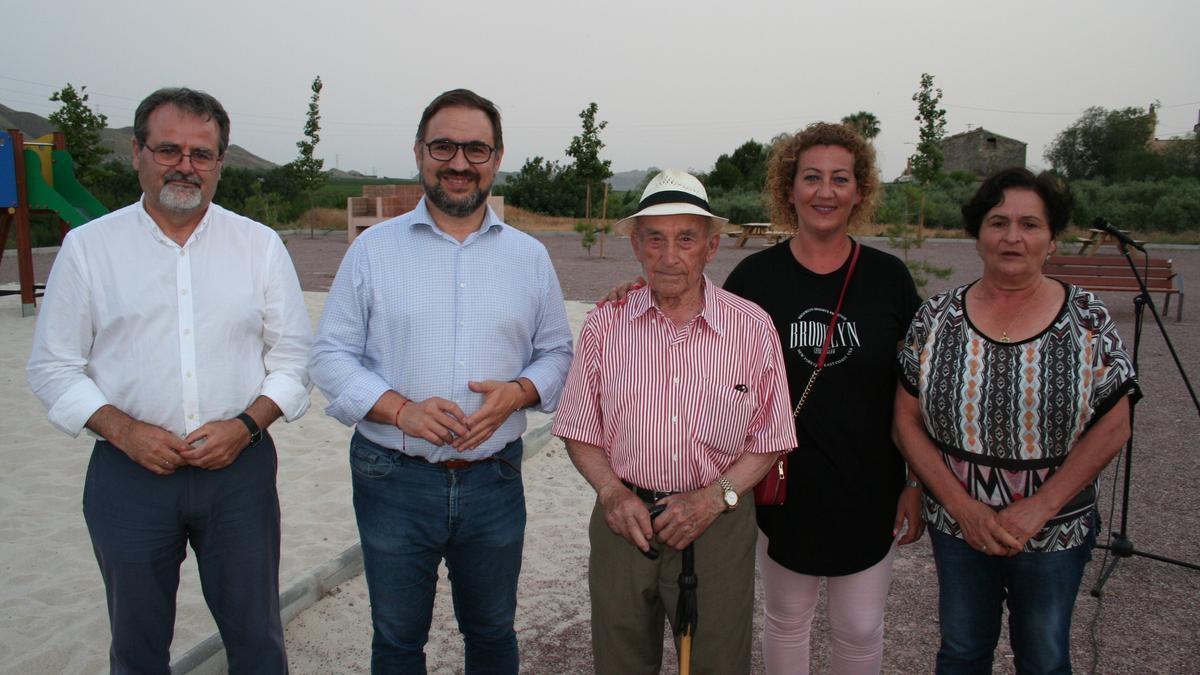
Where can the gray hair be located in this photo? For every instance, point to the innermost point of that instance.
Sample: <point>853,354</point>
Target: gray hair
<point>195,102</point>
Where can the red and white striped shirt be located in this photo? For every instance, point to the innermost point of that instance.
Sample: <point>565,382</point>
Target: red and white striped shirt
<point>673,409</point>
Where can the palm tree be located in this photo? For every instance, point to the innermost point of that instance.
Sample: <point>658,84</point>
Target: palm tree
<point>863,122</point>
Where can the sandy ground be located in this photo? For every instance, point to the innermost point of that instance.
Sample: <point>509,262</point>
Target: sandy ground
<point>52,610</point>
<point>52,614</point>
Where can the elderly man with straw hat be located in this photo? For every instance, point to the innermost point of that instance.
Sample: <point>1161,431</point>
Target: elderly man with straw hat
<point>676,405</point>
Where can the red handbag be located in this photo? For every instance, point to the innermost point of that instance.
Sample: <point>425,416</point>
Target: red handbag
<point>772,489</point>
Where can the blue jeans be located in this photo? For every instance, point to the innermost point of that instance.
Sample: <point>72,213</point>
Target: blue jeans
<point>411,515</point>
<point>1040,590</point>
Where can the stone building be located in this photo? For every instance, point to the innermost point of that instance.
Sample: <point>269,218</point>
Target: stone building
<point>981,152</point>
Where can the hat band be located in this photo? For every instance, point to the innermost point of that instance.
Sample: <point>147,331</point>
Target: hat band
<point>673,197</point>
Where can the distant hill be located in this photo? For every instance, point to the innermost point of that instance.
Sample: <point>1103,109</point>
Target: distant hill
<point>117,140</point>
<point>629,180</point>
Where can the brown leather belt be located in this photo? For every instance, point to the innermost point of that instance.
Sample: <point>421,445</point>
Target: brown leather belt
<point>647,495</point>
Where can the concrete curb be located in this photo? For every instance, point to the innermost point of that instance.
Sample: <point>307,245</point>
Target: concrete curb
<point>208,657</point>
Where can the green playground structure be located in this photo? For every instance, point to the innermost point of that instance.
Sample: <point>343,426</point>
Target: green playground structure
<point>65,198</point>
<point>38,177</point>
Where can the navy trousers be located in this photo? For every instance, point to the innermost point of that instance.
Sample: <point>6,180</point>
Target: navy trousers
<point>140,524</point>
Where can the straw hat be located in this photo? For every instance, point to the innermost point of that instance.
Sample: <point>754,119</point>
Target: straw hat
<point>672,192</point>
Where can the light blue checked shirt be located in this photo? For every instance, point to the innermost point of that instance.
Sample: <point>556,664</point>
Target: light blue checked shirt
<point>414,310</point>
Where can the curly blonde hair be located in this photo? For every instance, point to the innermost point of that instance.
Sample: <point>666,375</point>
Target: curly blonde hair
<point>785,154</point>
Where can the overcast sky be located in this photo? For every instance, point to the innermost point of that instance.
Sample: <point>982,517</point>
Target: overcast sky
<point>678,82</point>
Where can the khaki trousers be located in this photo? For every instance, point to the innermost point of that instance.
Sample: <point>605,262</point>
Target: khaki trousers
<point>631,595</point>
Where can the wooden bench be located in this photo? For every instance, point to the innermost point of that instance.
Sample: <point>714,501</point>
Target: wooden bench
<point>1112,273</point>
<point>762,230</point>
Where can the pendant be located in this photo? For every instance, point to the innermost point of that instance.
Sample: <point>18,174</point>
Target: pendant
<point>1004,337</point>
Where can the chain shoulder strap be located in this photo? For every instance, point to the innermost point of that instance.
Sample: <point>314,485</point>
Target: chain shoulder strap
<point>828,333</point>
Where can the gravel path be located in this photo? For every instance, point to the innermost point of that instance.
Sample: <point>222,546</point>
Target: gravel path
<point>1149,617</point>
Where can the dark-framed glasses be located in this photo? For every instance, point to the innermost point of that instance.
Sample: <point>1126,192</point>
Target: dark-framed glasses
<point>444,151</point>
<point>171,155</point>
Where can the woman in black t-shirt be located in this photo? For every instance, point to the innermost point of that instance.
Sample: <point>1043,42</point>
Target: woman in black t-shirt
<point>847,503</point>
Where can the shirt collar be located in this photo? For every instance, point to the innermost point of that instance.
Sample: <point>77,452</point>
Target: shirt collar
<point>422,216</point>
<point>148,221</point>
<point>642,300</point>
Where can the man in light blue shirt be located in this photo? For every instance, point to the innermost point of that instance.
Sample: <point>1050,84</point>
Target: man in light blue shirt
<point>441,327</point>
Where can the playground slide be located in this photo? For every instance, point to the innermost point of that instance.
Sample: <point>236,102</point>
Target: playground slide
<point>66,185</point>
<point>66,198</point>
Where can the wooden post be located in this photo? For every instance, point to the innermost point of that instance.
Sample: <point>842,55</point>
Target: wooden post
<point>24,239</point>
<point>603,216</point>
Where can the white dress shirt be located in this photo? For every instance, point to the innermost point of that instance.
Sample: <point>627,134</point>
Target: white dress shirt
<point>172,336</point>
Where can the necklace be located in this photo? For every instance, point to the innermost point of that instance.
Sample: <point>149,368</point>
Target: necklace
<point>1004,333</point>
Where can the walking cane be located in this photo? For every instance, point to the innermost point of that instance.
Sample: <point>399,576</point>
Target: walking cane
<point>686,612</point>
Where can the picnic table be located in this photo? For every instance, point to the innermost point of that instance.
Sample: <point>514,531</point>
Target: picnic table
<point>762,230</point>
<point>1097,238</point>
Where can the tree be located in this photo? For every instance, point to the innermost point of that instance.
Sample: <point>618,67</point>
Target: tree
<point>927,161</point>
<point>1182,157</point>
<point>82,127</point>
<point>926,165</point>
<point>587,166</point>
<point>743,170</point>
<point>542,186</point>
<point>308,168</point>
<point>865,123</point>
<point>1105,144</point>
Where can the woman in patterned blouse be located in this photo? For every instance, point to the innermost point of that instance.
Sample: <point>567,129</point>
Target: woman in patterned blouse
<point>1015,394</point>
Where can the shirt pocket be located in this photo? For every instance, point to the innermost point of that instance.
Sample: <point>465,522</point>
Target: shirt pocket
<point>723,417</point>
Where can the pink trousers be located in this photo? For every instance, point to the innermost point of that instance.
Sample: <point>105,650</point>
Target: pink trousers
<point>856,604</point>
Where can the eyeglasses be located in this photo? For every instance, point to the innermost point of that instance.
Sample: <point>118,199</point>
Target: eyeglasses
<point>171,155</point>
<point>475,152</point>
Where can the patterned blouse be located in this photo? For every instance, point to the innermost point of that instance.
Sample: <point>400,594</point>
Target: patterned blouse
<point>1006,415</point>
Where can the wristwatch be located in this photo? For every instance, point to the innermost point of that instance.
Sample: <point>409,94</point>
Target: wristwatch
<point>252,427</point>
<point>728,493</point>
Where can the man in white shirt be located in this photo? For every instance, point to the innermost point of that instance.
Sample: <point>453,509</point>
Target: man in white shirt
<point>175,331</point>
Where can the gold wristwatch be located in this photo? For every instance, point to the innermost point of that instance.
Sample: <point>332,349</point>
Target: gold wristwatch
<point>728,493</point>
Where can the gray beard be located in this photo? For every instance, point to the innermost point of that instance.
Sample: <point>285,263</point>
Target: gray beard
<point>180,199</point>
<point>455,208</point>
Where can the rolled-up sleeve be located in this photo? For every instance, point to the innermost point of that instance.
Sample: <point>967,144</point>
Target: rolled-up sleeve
<point>551,357</point>
<point>580,417</point>
<point>336,360</point>
<point>287,335</point>
<point>772,428</point>
<point>62,344</point>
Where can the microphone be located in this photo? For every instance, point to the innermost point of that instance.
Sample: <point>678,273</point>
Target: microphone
<point>1126,240</point>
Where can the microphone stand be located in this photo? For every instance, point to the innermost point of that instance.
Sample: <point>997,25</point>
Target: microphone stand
<point>1120,544</point>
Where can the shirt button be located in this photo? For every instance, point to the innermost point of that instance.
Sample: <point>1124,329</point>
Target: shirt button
<point>462,285</point>
<point>188,331</point>
<point>675,458</point>
<point>189,374</point>
<point>183,292</point>
<point>676,380</point>
<point>182,253</point>
<point>674,418</point>
<point>192,416</point>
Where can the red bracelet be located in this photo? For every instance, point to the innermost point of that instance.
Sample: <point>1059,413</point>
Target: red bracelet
<point>396,422</point>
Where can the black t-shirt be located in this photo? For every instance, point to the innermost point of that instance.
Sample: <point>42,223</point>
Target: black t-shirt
<point>845,477</point>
